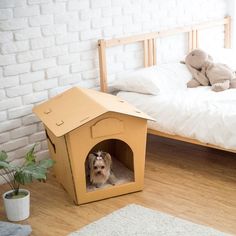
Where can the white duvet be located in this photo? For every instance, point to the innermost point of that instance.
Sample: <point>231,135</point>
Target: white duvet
<point>197,113</point>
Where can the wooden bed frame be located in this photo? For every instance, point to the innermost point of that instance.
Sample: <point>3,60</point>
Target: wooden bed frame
<point>149,43</point>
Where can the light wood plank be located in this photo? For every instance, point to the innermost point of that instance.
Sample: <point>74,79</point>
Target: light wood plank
<point>190,41</point>
<point>188,140</point>
<point>137,38</point>
<point>154,51</point>
<point>170,32</point>
<point>164,33</point>
<point>130,39</point>
<point>227,31</point>
<point>197,39</point>
<point>150,52</point>
<point>102,65</point>
<point>194,39</point>
<point>146,59</point>
<point>188,181</point>
<point>212,24</point>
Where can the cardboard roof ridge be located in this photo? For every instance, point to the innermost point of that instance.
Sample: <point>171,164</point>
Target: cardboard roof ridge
<point>122,106</point>
<point>108,104</point>
<point>77,106</point>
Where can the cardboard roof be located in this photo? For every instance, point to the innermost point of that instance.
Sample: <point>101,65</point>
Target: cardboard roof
<point>77,106</point>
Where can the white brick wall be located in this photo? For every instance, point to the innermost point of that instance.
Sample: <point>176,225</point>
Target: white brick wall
<point>47,46</point>
<point>232,12</point>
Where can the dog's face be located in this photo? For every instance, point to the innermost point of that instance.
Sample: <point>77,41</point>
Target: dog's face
<point>100,166</point>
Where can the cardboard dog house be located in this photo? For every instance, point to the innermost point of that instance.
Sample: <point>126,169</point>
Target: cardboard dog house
<point>80,121</point>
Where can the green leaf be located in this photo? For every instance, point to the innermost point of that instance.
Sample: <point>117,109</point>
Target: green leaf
<point>35,171</point>
<point>30,157</point>
<point>29,171</point>
<point>17,177</point>
<point>4,164</point>
<point>3,156</point>
<point>46,163</point>
<point>23,178</point>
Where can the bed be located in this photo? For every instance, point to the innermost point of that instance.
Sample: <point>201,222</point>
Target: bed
<point>199,116</point>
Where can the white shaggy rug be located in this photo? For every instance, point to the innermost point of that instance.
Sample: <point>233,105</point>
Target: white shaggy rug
<point>135,220</point>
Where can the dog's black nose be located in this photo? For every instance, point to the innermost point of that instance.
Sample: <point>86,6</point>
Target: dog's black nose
<point>99,172</point>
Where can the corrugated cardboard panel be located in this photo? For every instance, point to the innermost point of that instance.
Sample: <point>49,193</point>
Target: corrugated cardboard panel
<point>116,104</point>
<point>78,106</point>
<point>62,169</point>
<point>107,126</point>
<point>68,111</point>
<point>127,146</point>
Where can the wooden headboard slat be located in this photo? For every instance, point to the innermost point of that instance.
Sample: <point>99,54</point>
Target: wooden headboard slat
<point>102,65</point>
<point>149,42</point>
<point>227,37</point>
<point>146,60</point>
<point>154,52</point>
<point>190,41</point>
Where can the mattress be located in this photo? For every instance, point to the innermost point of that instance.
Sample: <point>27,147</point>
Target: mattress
<point>197,113</point>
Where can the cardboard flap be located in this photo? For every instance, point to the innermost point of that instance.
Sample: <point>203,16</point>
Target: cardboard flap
<point>77,106</point>
<point>116,104</point>
<point>107,126</point>
<point>68,111</point>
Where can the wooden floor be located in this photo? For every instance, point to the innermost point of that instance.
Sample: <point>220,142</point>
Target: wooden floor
<point>184,180</point>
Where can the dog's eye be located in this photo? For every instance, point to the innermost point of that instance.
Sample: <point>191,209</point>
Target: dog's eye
<point>193,54</point>
<point>95,167</point>
<point>102,167</point>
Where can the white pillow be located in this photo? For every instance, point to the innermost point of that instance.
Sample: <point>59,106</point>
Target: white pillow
<point>139,81</point>
<point>172,76</point>
<point>152,80</point>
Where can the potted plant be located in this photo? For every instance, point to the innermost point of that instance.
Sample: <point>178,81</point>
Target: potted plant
<point>17,200</point>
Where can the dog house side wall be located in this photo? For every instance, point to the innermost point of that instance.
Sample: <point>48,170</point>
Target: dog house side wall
<point>81,140</point>
<point>58,152</point>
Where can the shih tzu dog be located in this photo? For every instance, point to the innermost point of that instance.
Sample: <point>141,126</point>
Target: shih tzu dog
<point>100,171</point>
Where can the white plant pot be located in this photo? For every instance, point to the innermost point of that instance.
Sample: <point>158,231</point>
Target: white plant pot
<point>17,209</point>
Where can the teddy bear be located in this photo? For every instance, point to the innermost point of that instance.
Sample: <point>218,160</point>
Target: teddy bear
<point>205,72</point>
